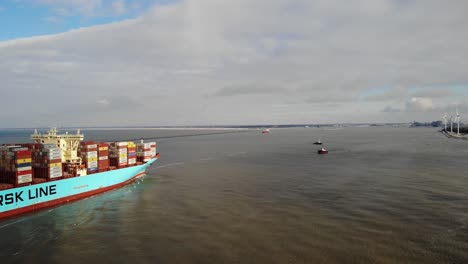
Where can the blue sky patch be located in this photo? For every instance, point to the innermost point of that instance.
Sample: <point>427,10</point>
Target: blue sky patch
<point>27,18</point>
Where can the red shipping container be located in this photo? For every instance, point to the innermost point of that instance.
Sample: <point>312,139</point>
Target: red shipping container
<point>103,145</point>
<point>19,173</point>
<point>87,150</point>
<point>5,186</point>
<point>23,156</point>
<point>22,152</point>
<point>85,143</point>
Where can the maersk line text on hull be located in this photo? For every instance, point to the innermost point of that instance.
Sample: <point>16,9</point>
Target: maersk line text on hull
<point>15,197</point>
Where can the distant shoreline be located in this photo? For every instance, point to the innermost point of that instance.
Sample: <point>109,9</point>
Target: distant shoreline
<point>218,127</point>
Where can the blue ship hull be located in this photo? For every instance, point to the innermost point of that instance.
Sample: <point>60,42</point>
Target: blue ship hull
<point>34,197</point>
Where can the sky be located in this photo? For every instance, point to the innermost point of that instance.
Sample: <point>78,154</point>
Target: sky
<point>219,62</point>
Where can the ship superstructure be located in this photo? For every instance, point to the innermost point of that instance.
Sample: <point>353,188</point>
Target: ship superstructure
<point>68,143</point>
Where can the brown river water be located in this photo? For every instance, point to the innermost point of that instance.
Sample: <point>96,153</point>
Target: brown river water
<point>382,195</point>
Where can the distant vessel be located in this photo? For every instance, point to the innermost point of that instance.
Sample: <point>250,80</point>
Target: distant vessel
<point>266,131</point>
<point>59,169</point>
<point>318,142</point>
<point>322,151</point>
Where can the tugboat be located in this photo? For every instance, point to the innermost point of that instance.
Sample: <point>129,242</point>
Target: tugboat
<point>322,151</point>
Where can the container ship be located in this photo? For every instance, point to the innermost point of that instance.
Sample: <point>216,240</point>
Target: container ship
<point>60,168</point>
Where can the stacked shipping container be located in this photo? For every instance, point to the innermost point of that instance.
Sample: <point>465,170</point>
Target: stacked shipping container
<point>131,152</point>
<point>88,152</point>
<point>16,166</point>
<point>118,154</point>
<point>103,157</point>
<point>33,163</point>
<point>47,162</point>
<point>145,151</point>
<point>22,172</point>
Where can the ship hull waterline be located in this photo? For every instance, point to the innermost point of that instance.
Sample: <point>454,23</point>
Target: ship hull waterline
<point>35,197</point>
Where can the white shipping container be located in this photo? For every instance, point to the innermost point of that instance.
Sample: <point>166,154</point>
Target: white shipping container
<point>121,160</point>
<point>25,178</point>
<point>89,146</point>
<point>103,158</point>
<point>54,150</point>
<point>59,167</point>
<point>132,161</point>
<point>121,144</point>
<point>12,146</point>
<point>54,155</point>
<point>49,146</point>
<point>51,150</point>
<point>55,175</point>
<point>55,169</point>
<point>144,145</point>
<point>124,150</point>
<point>50,155</point>
<point>92,164</point>
<point>91,154</point>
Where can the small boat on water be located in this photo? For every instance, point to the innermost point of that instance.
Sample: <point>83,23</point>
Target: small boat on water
<point>322,151</point>
<point>266,131</point>
<point>318,142</point>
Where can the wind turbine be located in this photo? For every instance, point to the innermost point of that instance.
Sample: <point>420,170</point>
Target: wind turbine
<point>458,122</point>
<point>445,121</point>
<point>451,123</point>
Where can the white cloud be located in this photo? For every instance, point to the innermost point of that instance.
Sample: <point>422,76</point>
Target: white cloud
<point>304,54</point>
<point>419,104</point>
